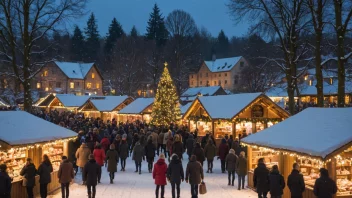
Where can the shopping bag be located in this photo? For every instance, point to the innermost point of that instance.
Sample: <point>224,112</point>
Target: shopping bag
<point>24,182</point>
<point>202,188</point>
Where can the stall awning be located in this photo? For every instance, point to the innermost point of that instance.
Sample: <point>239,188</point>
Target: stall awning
<point>137,106</point>
<point>21,128</point>
<point>317,132</point>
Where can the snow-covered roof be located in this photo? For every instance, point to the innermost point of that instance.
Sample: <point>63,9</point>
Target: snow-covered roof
<point>137,106</point>
<point>3,103</point>
<point>188,99</point>
<point>315,131</point>
<point>70,100</point>
<point>19,127</point>
<point>205,91</point>
<point>185,107</point>
<point>223,64</point>
<point>226,106</point>
<point>74,70</point>
<point>107,103</point>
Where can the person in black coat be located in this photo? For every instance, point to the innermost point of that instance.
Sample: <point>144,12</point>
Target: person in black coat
<point>91,172</point>
<point>29,171</point>
<point>44,171</point>
<point>276,183</point>
<point>5,182</point>
<point>295,182</point>
<point>175,174</point>
<point>324,187</point>
<point>150,154</point>
<point>260,179</point>
<point>190,145</point>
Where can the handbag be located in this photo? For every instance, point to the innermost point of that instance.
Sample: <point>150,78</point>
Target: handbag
<point>24,182</point>
<point>202,188</point>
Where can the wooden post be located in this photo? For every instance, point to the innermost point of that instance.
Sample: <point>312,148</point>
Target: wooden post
<point>286,168</point>
<point>234,130</point>
<point>213,128</point>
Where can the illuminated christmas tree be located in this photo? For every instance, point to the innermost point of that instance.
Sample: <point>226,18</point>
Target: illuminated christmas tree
<point>166,107</point>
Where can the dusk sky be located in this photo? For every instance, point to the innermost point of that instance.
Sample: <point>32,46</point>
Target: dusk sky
<point>211,14</point>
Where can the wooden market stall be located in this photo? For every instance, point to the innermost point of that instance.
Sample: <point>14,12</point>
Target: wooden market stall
<point>62,102</point>
<point>140,109</point>
<point>105,107</point>
<point>314,138</point>
<point>238,114</point>
<point>24,135</point>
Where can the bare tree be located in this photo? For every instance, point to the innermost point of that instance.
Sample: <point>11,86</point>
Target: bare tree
<point>285,20</point>
<point>23,23</point>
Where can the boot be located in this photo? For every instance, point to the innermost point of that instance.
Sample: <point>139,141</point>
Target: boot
<point>93,195</point>
<point>89,196</point>
<point>208,171</point>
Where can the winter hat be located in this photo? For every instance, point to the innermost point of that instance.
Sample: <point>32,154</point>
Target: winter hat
<point>193,158</point>
<point>174,156</point>
<point>162,156</point>
<point>232,151</point>
<point>112,146</point>
<point>242,153</point>
<point>91,156</point>
<point>124,136</point>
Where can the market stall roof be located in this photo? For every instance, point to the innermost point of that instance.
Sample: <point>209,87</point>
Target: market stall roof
<point>316,132</point>
<point>185,107</point>
<point>3,103</point>
<point>19,128</point>
<point>70,100</point>
<point>205,91</point>
<point>107,103</point>
<point>137,106</point>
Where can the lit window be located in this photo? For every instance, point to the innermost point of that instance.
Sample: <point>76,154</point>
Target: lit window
<point>331,81</point>
<point>72,85</point>
<point>306,77</point>
<point>46,89</point>
<point>310,82</point>
<point>93,75</point>
<point>39,85</point>
<point>220,75</point>
<point>97,85</point>
<point>89,85</point>
<point>45,73</point>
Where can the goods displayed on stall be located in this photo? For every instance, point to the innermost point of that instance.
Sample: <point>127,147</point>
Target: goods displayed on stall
<point>271,158</point>
<point>202,127</point>
<point>15,160</point>
<point>55,153</point>
<point>223,128</point>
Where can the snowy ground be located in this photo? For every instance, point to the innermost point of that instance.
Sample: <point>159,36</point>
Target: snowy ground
<point>130,185</point>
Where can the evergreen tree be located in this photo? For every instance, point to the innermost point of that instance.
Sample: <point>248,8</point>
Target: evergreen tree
<point>156,29</point>
<point>92,44</point>
<point>77,45</point>
<point>223,45</point>
<point>166,108</point>
<point>134,32</point>
<point>115,32</point>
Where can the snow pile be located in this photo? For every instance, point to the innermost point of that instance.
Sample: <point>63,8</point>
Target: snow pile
<point>137,106</point>
<point>315,131</point>
<point>227,106</point>
<point>19,127</point>
<point>74,70</point>
<point>223,64</point>
<point>108,103</point>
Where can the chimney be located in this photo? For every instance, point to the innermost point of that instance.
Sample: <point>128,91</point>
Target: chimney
<point>213,58</point>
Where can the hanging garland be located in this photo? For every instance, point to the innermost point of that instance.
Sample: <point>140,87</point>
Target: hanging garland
<point>200,118</point>
<point>262,120</point>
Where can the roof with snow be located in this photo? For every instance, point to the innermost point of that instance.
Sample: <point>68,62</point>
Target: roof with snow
<point>137,106</point>
<point>19,128</point>
<point>223,64</point>
<point>185,107</point>
<point>316,132</point>
<point>70,100</point>
<point>205,91</point>
<point>107,103</point>
<point>3,103</point>
<point>74,70</point>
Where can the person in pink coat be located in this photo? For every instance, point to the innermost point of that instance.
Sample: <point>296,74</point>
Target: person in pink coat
<point>159,175</point>
<point>99,156</point>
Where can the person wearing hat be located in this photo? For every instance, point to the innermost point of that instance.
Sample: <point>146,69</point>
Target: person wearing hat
<point>29,171</point>
<point>99,156</point>
<point>324,186</point>
<point>91,172</point>
<point>82,155</point>
<point>194,175</point>
<point>112,159</point>
<point>159,175</point>
<point>175,175</point>
<point>5,182</point>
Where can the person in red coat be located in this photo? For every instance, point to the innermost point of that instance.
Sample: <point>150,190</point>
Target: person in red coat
<point>99,156</point>
<point>222,153</point>
<point>105,143</point>
<point>159,175</point>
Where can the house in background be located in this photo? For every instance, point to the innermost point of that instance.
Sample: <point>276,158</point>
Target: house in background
<point>69,78</point>
<point>192,93</point>
<point>224,72</point>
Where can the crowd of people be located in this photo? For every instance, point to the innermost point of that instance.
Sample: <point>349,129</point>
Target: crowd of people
<point>100,144</point>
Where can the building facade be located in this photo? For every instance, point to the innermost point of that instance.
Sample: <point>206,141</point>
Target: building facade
<point>225,72</point>
<point>69,78</point>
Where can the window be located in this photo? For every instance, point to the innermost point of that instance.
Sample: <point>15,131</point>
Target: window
<point>200,82</point>
<point>331,81</point>
<point>45,73</point>
<point>97,86</point>
<point>220,75</point>
<point>225,82</point>
<point>51,84</point>
<point>225,74</point>
<point>39,85</point>
<point>310,82</point>
<point>207,82</point>
<point>219,82</point>
<point>72,85</point>
<point>89,85</point>
<point>93,75</point>
<point>46,89</point>
<point>206,74</point>
<point>77,84</point>
<point>191,76</point>
<point>241,64</point>
<point>58,84</point>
